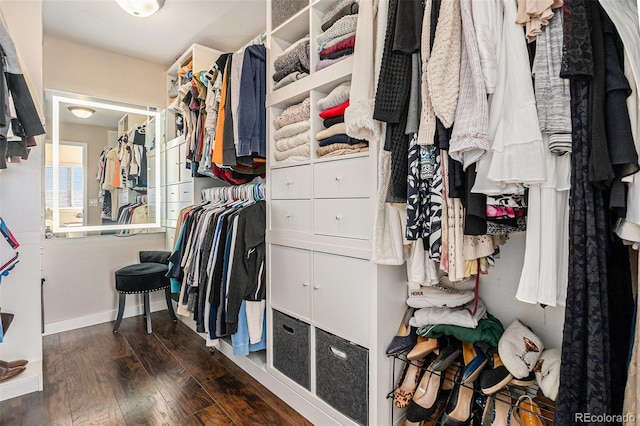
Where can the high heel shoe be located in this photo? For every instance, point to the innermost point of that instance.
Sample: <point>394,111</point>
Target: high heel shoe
<point>459,409</point>
<point>498,411</point>
<point>448,354</point>
<point>424,403</point>
<point>527,412</point>
<point>423,347</point>
<point>406,336</point>
<point>474,361</point>
<point>408,383</point>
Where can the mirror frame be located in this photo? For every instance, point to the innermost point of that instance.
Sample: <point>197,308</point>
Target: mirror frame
<point>55,139</point>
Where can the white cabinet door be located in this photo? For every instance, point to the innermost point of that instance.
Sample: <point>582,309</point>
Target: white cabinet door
<point>341,295</point>
<point>173,165</point>
<point>185,174</point>
<point>291,280</point>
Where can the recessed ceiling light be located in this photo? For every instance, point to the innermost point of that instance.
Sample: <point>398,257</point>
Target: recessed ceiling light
<point>81,112</point>
<point>141,8</point>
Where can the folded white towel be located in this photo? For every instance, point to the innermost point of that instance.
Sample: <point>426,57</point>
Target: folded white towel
<point>457,316</point>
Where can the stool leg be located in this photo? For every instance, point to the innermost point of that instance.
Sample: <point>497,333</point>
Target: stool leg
<point>121,302</point>
<point>167,295</point>
<point>147,312</point>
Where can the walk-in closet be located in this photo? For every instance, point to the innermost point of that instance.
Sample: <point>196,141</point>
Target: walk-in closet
<point>328,212</point>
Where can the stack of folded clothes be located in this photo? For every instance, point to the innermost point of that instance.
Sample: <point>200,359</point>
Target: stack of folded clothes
<point>292,133</point>
<point>292,64</point>
<point>333,140</point>
<point>338,40</point>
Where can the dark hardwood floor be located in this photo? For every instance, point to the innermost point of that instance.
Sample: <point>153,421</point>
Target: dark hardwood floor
<point>95,377</point>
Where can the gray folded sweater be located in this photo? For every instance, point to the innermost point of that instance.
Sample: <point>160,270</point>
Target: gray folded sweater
<point>296,53</point>
<point>343,8</point>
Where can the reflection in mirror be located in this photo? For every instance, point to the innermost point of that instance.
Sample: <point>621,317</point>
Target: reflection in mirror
<point>100,165</point>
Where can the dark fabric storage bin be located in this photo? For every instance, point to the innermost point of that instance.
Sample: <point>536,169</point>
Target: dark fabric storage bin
<point>342,375</point>
<point>281,10</point>
<point>291,350</point>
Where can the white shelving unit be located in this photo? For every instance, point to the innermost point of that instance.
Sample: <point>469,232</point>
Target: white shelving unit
<point>319,241</point>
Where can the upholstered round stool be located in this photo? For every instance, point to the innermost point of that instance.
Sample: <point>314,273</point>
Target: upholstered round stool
<point>147,276</point>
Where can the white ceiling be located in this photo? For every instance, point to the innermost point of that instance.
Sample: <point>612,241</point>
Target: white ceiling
<point>225,25</point>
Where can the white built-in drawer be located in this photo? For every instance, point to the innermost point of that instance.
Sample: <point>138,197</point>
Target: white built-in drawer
<point>350,178</point>
<point>173,209</point>
<point>173,193</point>
<point>291,215</point>
<point>171,235</point>
<point>291,183</point>
<point>290,283</point>
<point>186,192</point>
<point>341,295</point>
<point>343,218</point>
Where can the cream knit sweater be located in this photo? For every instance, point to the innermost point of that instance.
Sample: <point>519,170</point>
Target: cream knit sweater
<point>440,69</point>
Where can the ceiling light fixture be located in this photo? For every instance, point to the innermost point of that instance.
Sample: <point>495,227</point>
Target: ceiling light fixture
<point>81,112</point>
<point>141,8</point>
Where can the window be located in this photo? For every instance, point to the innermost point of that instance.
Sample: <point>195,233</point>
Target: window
<point>71,186</point>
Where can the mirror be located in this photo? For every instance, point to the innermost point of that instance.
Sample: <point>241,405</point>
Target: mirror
<point>101,167</point>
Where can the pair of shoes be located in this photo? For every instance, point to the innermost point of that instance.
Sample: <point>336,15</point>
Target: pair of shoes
<point>474,361</point>
<point>448,354</point>
<point>406,336</point>
<point>499,411</point>
<point>527,412</point>
<point>529,380</point>
<point>408,384</point>
<point>8,373</point>
<point>423,347</point>
<point>12,364</point>
<point>431,395</point>
<point>495,378</point>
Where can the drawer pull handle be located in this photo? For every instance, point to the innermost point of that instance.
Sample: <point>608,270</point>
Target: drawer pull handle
<point>338,178</point>
<point>315,286</point>
<point>288,215</point>
<point>305,284</point>
<point>338,353</point>
<point>288,182</point>
<point>338,217</point>
<point>287,328</point>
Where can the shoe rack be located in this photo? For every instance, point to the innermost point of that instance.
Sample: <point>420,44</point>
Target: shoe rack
<point>547,406</point>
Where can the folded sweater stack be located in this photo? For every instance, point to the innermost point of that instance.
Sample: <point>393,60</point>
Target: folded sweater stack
<point>333,140</point>
<point>292,141</point>
<point>338,40</point>
<point>292,64</point>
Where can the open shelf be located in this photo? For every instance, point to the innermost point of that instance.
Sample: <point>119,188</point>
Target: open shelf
<point>294,28</point>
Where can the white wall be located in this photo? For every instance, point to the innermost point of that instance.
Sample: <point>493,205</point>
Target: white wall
<point>20,207</point>
<point>498,291</point>
<point>79,290</point>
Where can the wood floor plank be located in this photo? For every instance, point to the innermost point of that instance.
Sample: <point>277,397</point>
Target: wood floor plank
<point>55,397</point>
<point>75,339</point>
<point>181,391</point>
<point>209,416</point>
<point>99,414</point>
<point>276,403</point>
<point>187,347</point>
<point>140,401</point>
<point>244,407</point>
